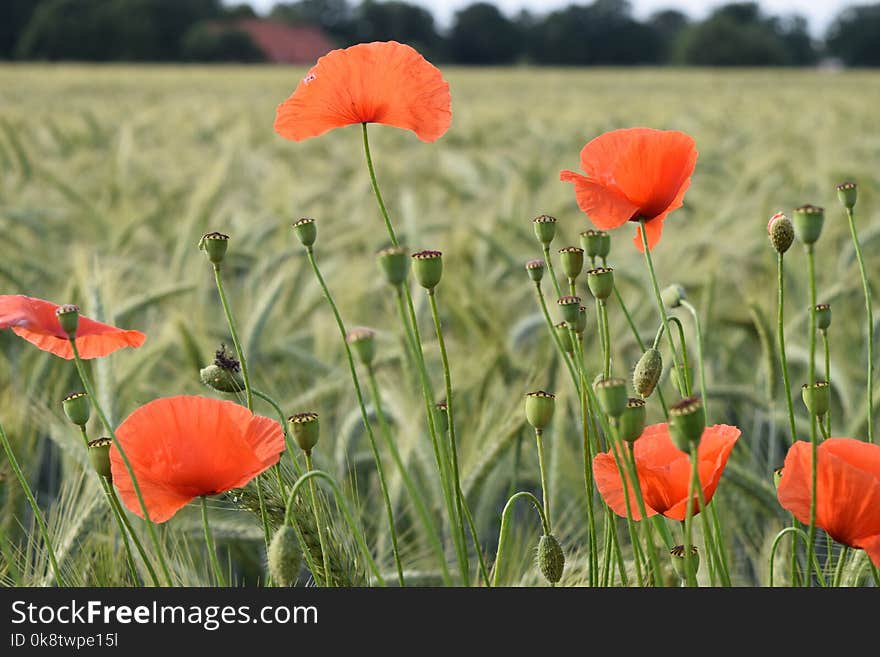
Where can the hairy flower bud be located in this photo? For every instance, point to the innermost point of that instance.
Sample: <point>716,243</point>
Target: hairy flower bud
<point>284,556</point>
<point>551,558</point>
<point>647,372</point>
<point>781,232</point>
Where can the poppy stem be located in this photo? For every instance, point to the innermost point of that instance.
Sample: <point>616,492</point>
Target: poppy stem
<point>505,528</point>
<point>798,532</point>
<point>209,542</point>
<point>560,347</point>
<point>549,262</point>
<point>827,348</point>
<point>780,329</point>
<point>704,391</point>
<point>634,539</point>
<point>869,317</point>
<point>125,525</point>
<point>282,418</point>
<point>690,572</point>
<point>545,490</point>
<point>318,524</point>
<point>606,334</point>
<point>239,352</point>
<point>814,439</point>
<point>375,184</point>
<point>35,509</point>
<point>841,559</point>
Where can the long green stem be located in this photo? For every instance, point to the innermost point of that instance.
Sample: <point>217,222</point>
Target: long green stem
<point>505,528</point>
<point>318,524</point>
<point>127,526</point>
<point>869,318</point>
<point>549,262</point>
<point>239,352</point>
<point>606,334</point>
<point>375,184</point>
<point>628,483</point>
<point>209,542</point>
<point>545,490</point>
<point>693,480</point>
<point>780,328</point>
<point>704,391</point>
<point>814,439</point>
<point>827,348</point>
<point>563,354</point>
<point>282,418</point>
<point>798,532</point>
<point>838,572</point>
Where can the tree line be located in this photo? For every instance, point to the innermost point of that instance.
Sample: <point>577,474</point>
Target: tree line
<point>604,32</point>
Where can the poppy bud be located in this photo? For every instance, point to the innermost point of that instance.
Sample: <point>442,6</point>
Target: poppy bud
<point>77,408</point>
<point>68,317</point>
<point>677,555</point>
<point>601,282</point>
<point>214,245</point>
<point>564,336</point>
<point>612,396</point>
<point>781,232</point>
<point>305,429</point>
<point>306,230</point>
<point>686,423</point>
<point>823,316</point>
<point>647,372</point>
<point>817,398</point>
<point>572,258</point>
<point>221,380</point>
<point>673,295</point>
<point>428,268</point>
<point>395,264</point>
<point>808,221</point>
<point>535,269</point>
<point>570,307</point>
<point>545,228</point>
<point>632,421</point>
<point>581,324</point>
<point>777,477</point>
<point>284,556</point>
<point>848,192</point>
<point>597,243</point>
<point>99,456</point>
<point>363,342</point>
<point>539,408</point>
<point>679,375</point>
<point>441,417</point>
<point>551,558</point>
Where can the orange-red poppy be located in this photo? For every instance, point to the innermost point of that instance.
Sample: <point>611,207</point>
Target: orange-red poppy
<point>847,490</point>
<point>664,471</point>
<point>634,174</point>
<point>184,447</point>
<point>35,321</point>
<point>380,82</point>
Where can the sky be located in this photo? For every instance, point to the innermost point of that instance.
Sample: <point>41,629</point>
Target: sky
<point>818,12</point>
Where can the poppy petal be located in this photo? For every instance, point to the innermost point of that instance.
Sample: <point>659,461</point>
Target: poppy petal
<point>871,545</point>
<point>604,208</point>
<point>610,486</point>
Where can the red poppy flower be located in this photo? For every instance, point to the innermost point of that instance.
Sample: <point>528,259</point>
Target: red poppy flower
<point>632,174</point>
<point>664,471</point>
<point>35,321</point>
<point>184,447</point>
<point>847,490</point>
<point>380,82</point>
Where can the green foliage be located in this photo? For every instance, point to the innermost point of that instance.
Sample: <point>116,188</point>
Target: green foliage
<point>854,36</point>
<point>483,35</point>
<point>207,43</point>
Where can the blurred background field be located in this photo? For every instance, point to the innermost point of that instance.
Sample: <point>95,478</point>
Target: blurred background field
<point>109,176</point>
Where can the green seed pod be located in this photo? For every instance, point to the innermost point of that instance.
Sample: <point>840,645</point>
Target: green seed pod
<point>551,558</point>
<point>428,266</point>
<point>570,308</point>
<point>539,408</point>
<point>221,380</point>
<point>441,417</point>
<point>68,317</point>
<point>848,192</point>
<point>214,245</point>
<point>596,243</point>
<point>632,422</point>
<point>647,372</point>
<point>601,282</point>
<point>808,221</point>
<point>781,232</point>
<point>564,336</point>
<point>572,259</point>
<point>99,456</point>
<point>535,269</point>
<point>395,264</point>
<point>545,228</point>
<point>284,556</point>
<point>581,324</point>
<point>306,230</point>
<point>677,556</point>
<point>612,396</point>
<point>817,398</point>
<point>777,477</point>
<point>363,342</point>
<point>305,429</point>
<point>823,316</point>
<point>77,408</point>
<point>686,423</point>
<point>673,295</point>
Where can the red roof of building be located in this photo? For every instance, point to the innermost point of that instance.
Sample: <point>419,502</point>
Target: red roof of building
<point>287,44</point>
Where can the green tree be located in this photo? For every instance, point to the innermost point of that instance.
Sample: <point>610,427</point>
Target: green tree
<point>854,36</point>
<point>483,35</point>
<point>398,21</point>
<point>14,17</point>
<point>205,42</point>
<point>333,16</point>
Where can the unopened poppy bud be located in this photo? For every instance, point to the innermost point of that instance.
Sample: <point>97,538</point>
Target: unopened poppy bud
<point>68,317</point>
<point>673,295</point>
<point>777,477</point>
<point>395,263</point>
<point>539,408</point>
<point>823,316</point>
<point>545,228</point>
<point>284,556</point>
<point>647,372</point>
<point>77,408</point>
<point>214,245</point>
<point>612,396</point>
<point>99,456</point>
<point>601,282</point>
<point>848,192</point>
<point>817,398</point>
<point>441,417</point>
<point>570,308</point>
<point>551,558</point>
<point>677,554</point>
<point>306,230</point>
<point>781,232</point>
<point>596,243</point>
<point>632,421</point>
<point>305,429</point>
<point>581,324</point>
<point>686,423</point>
<point>535,269</point>
<point>572,259</point>
<point>363,342</point>
<point>428,266</point>
<point>564,336</point>
<point>220,379</point>
<point>808,221</point>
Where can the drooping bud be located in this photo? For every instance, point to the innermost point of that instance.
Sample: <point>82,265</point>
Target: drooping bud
<point>677,554</point>
<point>673,295</point>
<point>395,263</point>
<point>545,228</point>
<point>581,324</point>
<point>647,372</point>
<point>848,192</point>
<point>284,556</point>
<point>686,423</point>
<point>428,266</point>
<point>777,477</point>
<point>612,396</point>
<point>551,558</point>
<point>564,336</point>
<point>781,232</point>
<point>539,408</point>
<point>224,374</point>
<point>572,259</point>
<point>680,376</point>
<point>823,316</point>
<point>817,398</point>
<point>306,230</point>
<point>596,243</point>
<point>99,456</point>
<point>632,421</point>
<point>441,417</point>
<point>808,221</point>
<point>214,245</point>
<point>570,307</point>
<point>77,408</point>
<point>305,429</point>
<point>68,317</point>
<point>363,342</point>
<point>535,269</point>
<point>601,282</point>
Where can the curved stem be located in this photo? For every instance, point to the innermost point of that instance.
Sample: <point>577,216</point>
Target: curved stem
<point>318,525</point>
<point>869,317</point>
<point>814,439</point>
<point>775,545</point>
<point>282,418</point>
<point>505,527</point>
<point>209,541</point>
<point>375,184</point>
<point>635,332</point>
<point>780,328</point>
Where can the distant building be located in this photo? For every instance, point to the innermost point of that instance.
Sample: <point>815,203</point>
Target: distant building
<point>287,44</point>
